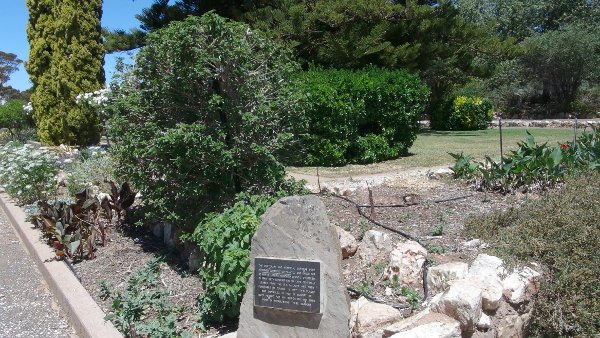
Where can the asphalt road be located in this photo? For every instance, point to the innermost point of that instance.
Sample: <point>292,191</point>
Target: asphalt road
<point>27,309</point>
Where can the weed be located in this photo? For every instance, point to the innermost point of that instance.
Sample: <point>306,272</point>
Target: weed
<point>380,268</point>
<point>435,248</point>
<point>364,288</point>
<point>412,297</point>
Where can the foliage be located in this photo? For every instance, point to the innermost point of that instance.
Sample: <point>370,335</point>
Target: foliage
<point>143,307</point>
<point>560,231</point>
<point>13,117</point>
<point>65,59</point>
<point>532,165</point>
<point>224,242</point>
<point>470,113</point>
<point>359,116</point>
<point>9,63</point>
<point>212,107</point>
<point>74,228</point>
<point>559,62</point>
<point>27,173</point>
<point>96,169</point>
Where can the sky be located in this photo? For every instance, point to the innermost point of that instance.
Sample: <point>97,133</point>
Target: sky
<point>117,14</point>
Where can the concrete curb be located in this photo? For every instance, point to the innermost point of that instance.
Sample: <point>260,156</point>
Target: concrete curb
<point>84,314</point>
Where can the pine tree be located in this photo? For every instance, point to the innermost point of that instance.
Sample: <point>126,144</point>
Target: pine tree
<point>66,59</point>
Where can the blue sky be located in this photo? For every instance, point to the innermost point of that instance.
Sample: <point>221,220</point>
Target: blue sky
<point>13,39</point>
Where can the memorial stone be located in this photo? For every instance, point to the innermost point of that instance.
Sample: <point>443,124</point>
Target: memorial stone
<point>296,288</point>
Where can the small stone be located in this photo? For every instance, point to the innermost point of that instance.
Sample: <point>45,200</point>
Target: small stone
<point>429,325</point>
<point>486,265</point>
<point>462,301</point>
<point>521,285</point>
<point>440,277</point>
<point>406,263</point>
<point>513,325</point>
<point>388,291</point>
<point>348,243</point>
<point>484,323</point>
<point>374,316</point>
<point>374,245</point>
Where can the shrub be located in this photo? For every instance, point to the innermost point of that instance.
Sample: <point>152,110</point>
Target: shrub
<point>359,116</point>
<point>462,112</point>
<point>212,107</point>
<point>470,113</point>
<point>27,173</point>
<point>224,241</point>
<point>13,117</point>
<point>561,232</point>
<point>96,169</point>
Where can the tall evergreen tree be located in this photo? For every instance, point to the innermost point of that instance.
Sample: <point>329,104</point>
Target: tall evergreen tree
<point>66,58</point>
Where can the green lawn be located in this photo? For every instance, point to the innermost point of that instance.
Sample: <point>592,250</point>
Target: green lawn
<point>432,147</point>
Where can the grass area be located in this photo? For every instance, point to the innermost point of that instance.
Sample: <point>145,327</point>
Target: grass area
<point>432,147</point>
<point>560,231</point>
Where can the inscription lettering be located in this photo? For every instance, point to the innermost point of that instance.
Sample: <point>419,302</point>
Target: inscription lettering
<point>287,284</point>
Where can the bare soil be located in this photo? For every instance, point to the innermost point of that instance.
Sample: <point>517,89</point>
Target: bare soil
<point>130,248</point>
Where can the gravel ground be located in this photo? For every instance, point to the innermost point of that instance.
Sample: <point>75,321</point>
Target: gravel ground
<point>26,307</point>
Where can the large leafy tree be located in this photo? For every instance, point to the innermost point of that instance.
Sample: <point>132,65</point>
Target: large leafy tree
<point>66,58</point>
<point>9,63</point>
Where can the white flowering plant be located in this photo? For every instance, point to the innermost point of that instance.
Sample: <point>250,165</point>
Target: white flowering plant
<point>27,173</point>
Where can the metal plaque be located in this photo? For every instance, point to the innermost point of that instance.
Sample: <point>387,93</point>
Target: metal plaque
<point>293,285</point>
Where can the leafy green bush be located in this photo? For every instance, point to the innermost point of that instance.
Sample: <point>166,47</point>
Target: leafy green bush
<point>359,116</point>
<point>224,242</point>
<point>27,173</point>
<point>461,112</point>
<point>470,113</point>
<point>532,165</point>
<point>13,117</point>
<point>212,106</point>
<point>561,232</point>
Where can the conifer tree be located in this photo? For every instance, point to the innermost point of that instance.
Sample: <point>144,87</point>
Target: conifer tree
<point>66,58</point>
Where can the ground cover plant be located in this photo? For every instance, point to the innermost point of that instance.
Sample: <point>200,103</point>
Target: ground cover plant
<point>362,116</point>
<point>27,173</point>
<point>561,232</point>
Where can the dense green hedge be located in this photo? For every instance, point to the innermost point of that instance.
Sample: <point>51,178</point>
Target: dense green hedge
<point>359,116</point>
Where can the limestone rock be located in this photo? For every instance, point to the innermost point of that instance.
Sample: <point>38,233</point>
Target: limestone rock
<point>491,291</point>
<point>354,307</point>
<point>374,245</point>
<point>404,324</point>
<point>484,323</point>
<point>230,335</point>
<point>521,285</point>
<point>487,266</point>
<point>441,276</point>
<point>431,325</point>
<point>513,326</point>
<point>406,263</point>
<point>374,316</point>
<point>462,301</point>
<point>348,243</point>
<point>297,228</point>
<point>440,173</point>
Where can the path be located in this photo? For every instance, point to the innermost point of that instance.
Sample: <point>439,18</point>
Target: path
<point>26,307</point>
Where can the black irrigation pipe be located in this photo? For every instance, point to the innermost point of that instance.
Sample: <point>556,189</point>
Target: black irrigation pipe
<point>399,232</point>
<point>373,299</point>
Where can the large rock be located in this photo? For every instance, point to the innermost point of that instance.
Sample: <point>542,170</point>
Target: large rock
<point>462,301</point>
<point>298,228</point>
<point>406,263</point>
<point>491,291</point>
<point>521,285</point>
<point>428,325</point>
<point>373,316</point>
<point>440,277</point>
<point>513,326</point>
<point>348,243</point>
<point>487,266</point>
<point>374,246</point>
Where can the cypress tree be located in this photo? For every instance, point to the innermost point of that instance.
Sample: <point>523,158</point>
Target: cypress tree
<point>66,58</point>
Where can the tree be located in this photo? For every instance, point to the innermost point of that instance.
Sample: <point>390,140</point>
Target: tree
<point>13,117</point>
<point>8,64</point>
<point>66,59</point>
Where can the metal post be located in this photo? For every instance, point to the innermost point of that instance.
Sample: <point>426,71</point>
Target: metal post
<point>501,149</point>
